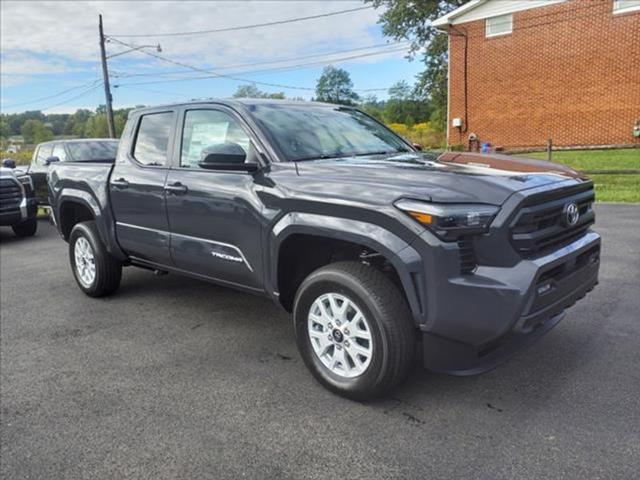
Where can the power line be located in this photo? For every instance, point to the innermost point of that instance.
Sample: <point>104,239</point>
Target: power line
<point>89,90</point>
<point>286,68</point>
<point>282,68</point>
<point>214,74</point>
<point>268,62</point>
<point>148,90</point>
<point>36,100</point>
<point>244,27</point>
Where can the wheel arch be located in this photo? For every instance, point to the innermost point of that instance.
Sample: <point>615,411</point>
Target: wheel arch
<point>74,206</point>
<point>404,259</point>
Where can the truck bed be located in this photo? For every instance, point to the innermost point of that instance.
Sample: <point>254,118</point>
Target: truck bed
<point>84,185</point>
<point>89,177</point>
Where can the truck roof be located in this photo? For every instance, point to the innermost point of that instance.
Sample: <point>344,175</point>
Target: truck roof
<point>241,102</point>
<point>80,140</point>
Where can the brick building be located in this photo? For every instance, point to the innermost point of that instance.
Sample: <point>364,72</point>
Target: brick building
<point>524,71</point>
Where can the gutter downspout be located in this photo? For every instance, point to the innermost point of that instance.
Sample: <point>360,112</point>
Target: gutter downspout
<point>462,33</point>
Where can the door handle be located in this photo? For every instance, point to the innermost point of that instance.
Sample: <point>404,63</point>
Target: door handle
<point>176,188</point>
<point>120,183</point>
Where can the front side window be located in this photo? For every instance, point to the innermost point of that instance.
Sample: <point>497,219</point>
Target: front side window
<point>44,152</point>
<point>501,25</point>
<point>307,132</point>
<point>152,141</point>
<point>58,151</point>
<point>208,130</point>
<point>621,6</point>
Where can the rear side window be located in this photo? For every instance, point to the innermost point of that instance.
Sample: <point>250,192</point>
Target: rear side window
<point>93,150</point>
<point>152,141</point>
<point>44,152</point>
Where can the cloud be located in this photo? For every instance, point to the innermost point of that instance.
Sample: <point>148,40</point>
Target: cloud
<point>65,34</point>
<point>22,63</point>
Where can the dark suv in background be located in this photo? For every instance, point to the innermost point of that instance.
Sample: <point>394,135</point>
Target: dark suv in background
<point>18,207</point>
<point>85,150</point>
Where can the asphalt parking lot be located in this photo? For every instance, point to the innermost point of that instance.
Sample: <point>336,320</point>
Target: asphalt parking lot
<point>174,378</point>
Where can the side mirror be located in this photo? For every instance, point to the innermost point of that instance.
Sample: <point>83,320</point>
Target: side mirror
<point>51,160</point>
<point>417,146</point>
<point>226,156</point>
<point>9,163</point>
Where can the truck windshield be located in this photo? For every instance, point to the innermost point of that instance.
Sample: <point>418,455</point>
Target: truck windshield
<point>310,132</point>
<point>93,150</point>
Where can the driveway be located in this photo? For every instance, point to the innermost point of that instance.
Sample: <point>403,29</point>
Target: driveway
<point>174,378</point>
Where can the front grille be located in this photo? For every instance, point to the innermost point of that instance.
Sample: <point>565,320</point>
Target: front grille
<point>540,223</point>
<point>10,196</point>
<point>468,263</point>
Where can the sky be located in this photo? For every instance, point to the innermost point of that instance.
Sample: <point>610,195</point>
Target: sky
<point>50,56</point>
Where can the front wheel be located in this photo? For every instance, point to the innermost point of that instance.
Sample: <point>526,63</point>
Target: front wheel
<point>354,330</point>
<point>95,270</point>
<point>27,228</point>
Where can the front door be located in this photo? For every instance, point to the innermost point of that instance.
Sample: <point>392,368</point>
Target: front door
<point>38,172</point>
<point>214,215</point>
<point>136,188</point>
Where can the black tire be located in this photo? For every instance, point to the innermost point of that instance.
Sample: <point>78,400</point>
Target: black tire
<point>390,320</point>
<point>108,270</point>
<point>27,228</point>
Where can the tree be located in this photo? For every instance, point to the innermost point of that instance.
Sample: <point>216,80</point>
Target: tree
<point>251,91</point>
<point>405,106</point>
<point>412,21</point>
<point>5,129</point>
<point>335,86</point>
<point>372,106</point>
<point>400,91</point>
<point>34,131</point>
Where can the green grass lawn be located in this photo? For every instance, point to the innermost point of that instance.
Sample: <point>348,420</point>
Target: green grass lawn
<point>617,187</point>
<point>615,159</point>
<point>609,187</point>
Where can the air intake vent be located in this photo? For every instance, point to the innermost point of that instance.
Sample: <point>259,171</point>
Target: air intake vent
<point>468,263</point>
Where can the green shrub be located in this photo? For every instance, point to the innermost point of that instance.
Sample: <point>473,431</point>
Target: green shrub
<point>422,133</point>
<point>22,157</point>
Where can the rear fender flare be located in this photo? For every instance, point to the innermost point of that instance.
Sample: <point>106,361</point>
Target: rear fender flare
<point>104,223</point>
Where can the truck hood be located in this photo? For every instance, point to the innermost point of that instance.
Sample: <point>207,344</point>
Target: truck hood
<point>10,172</point>
<point>453,177</point>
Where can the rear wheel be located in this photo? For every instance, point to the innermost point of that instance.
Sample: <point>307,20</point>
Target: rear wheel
<point>95,270</point>
<point>354,330</point>
<point>27,228</point>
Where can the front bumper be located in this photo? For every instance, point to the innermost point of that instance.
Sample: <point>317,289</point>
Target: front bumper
<point>27,209</point>
<point>478,321</point>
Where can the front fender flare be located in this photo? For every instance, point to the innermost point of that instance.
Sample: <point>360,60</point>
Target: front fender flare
<point>404,258</point>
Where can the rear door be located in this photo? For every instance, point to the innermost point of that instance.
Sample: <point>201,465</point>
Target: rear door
<point>137,183</point>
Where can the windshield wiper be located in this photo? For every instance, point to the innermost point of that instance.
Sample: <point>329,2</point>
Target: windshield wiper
<point>380,152</point>
<point>320,157</point>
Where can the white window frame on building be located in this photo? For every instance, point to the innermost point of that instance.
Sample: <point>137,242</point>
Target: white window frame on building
<point>624,6</point>
<point>505,21</point>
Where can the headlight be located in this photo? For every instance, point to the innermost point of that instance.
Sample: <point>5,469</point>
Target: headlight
<point>26,181</point>
<point>450,221</point>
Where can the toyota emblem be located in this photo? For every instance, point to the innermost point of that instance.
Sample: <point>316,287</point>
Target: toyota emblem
<point>572,214</point>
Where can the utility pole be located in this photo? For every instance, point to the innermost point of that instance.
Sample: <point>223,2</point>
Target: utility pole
<point>105,76</point>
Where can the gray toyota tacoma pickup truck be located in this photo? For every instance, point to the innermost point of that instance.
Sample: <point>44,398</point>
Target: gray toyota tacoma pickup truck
<point>383,254</point>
